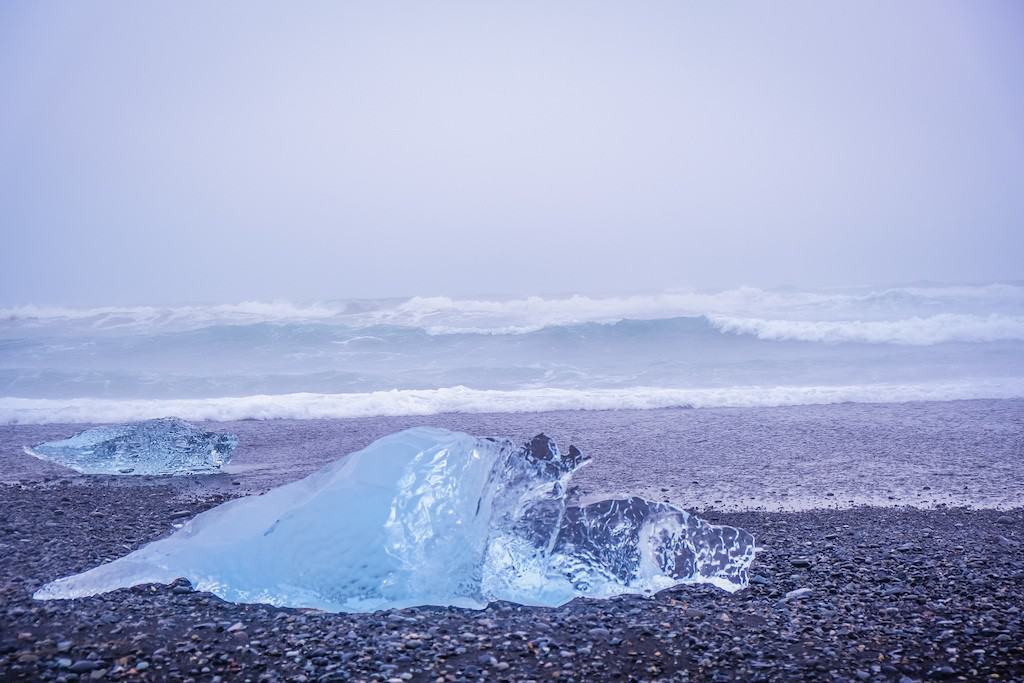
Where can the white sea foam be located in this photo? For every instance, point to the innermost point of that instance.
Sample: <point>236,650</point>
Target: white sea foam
<point>445,315</point>
<point>918,331</point>
<point>126,317</point>
<point>464,400</point>
<point>669,341</point>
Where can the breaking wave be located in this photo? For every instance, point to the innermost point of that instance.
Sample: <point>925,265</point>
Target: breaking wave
<point>177,317</point>
<point>917,331</point>
<point>461,399</point>
<point>416,356</point>
<point>446,315</point>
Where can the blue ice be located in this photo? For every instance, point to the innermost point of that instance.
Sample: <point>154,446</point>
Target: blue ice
<point>164,446</point>
<point>432,517</point>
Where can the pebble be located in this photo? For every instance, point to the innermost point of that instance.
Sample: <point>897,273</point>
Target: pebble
<point>797,594</point>
<point>908,603</point>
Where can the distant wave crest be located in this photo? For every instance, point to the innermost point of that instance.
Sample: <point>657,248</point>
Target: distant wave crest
<point>917,331</point>
<point>465,400</point>
<point>445,315</point>
<point>121,317</point>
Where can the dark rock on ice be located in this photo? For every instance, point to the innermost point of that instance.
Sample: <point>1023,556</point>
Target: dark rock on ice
<point>542,449</point>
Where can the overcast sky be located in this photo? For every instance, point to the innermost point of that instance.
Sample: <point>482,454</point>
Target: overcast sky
<point>168,152</point>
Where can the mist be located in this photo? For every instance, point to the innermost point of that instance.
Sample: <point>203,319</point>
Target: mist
<point>156,153</point>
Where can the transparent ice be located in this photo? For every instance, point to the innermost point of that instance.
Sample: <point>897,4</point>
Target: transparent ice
<point>164,446</point>
<point>432,517</point>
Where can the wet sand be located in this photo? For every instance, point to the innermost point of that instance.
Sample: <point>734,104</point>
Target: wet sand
<point>955,453</point>
<point>858,593</point>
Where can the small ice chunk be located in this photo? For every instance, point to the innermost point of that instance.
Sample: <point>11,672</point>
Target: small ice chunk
<point>637,542</point>
<point>164,446</point>
<point>432,517</point>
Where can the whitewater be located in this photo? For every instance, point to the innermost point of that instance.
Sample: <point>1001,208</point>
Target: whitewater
<point>427,355</point>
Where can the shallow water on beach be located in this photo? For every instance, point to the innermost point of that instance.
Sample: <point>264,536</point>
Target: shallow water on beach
<point>957,453</point>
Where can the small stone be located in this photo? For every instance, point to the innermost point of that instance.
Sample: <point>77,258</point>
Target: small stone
<point>797,594</point>
<point>801,563</point>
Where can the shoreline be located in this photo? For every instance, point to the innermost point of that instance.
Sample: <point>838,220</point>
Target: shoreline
<point>927,454</point>
<point>426,403</point>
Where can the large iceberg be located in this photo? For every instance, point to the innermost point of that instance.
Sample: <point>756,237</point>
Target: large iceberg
<point>164,446</point>
<point>432,517</point>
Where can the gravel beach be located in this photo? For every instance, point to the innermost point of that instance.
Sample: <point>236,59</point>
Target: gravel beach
<point>901,593</point>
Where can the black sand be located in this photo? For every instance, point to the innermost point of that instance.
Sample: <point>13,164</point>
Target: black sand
<point>884,593</point>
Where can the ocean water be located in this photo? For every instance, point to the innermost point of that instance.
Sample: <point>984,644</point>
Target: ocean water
<point>429,355</point>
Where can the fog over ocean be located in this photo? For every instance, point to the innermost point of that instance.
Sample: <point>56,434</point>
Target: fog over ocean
<point>426,355</point>
<point>512,341</point>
